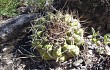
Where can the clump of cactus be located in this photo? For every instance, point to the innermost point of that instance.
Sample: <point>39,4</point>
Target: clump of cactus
<point>58,36</point>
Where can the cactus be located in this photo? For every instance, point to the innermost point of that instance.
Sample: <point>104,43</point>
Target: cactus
<point>58,36</point>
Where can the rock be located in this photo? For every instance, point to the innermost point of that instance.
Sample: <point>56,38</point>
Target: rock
<point>107,48</point>
<point>78,62</point>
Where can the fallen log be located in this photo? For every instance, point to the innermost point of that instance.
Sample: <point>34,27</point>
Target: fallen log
<point>15,27</point>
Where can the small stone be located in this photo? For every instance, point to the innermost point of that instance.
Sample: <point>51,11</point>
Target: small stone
<point>78,62</point>
<point>88,61</point>
<point>90,52</point>
<point>4,49</point>
<point>9,62</point>
<point>90,36</point>
<point>107,50</point>
<point>58,68</point>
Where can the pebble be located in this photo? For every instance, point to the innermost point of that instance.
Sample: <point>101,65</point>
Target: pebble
<point>107,50</point>
<point>78,62</point>
<point>88,61</point>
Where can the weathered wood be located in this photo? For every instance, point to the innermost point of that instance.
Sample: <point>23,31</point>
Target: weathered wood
<point>14,27</point>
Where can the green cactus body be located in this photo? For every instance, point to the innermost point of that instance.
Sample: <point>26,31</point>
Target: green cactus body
<point>71,50</point>
<point>48,47</point>
<point>63,58</point>
<point>57,53</point>
<point>45,54</point>
<point>58,36</point>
